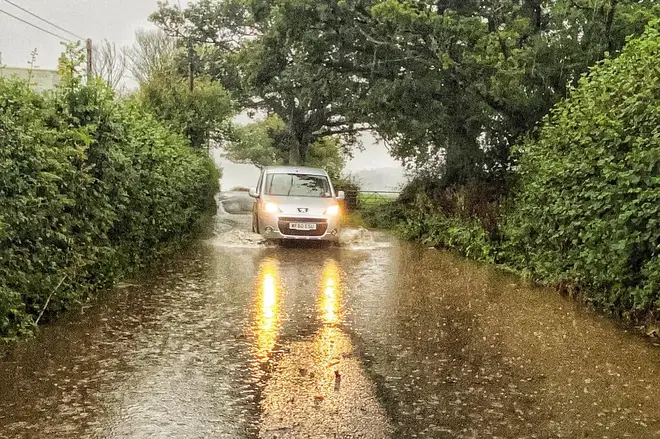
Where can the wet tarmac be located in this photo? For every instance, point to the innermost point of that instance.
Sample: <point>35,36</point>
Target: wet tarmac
<point>373,339</point>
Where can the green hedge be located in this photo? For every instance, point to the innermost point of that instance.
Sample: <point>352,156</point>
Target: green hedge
<point>425,223</point>
<point>587,211</point>
<point>90,188</point>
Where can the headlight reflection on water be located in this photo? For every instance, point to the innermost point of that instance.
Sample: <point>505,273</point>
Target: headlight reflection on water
<point>330,343</point>
<point>268,318</point>
<point>330,299</point>
<point>267,326</point>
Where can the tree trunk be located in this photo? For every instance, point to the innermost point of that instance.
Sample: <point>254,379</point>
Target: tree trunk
<point>304,150</point>
<point>608,25</point>
<point>534,11</point>
<point>294,152</point>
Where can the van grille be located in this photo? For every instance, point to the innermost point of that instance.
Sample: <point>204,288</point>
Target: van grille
<point>321,226</point>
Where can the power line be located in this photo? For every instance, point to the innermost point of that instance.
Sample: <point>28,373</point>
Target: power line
<point>35,26</point>
<point>43,19</point>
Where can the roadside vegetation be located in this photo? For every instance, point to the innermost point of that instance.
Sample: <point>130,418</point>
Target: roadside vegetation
<point>527,127</point>
<point>582,211</point>
<point>93,187</point>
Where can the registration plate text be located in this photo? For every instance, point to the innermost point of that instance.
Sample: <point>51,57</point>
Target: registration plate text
<point>302,226</point>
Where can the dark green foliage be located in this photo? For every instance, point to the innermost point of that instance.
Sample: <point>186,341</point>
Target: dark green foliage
<point>266,143</point>
<point>89,189</point>
<point>584,215</point>
<point>386,216</point>
<point>452,85</point>
<point>421,220</point>
<point>271,56</point>
<point>587,207</point>
<point>351,189</point>
<point>201,115</point>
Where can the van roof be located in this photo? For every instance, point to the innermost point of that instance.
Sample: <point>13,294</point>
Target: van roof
<point>294,170</point>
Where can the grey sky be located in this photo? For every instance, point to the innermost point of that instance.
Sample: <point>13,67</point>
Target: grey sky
<point>114,20</point>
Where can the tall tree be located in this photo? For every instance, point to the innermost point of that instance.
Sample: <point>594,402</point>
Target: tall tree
<point>263,143</point>
<point>450,84</point>
<point>267,55</point>
<point>201,113</point>
<point>454,84</point>
<point>153,52</point>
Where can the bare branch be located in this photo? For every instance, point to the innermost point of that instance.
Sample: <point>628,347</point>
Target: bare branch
<point>373,40</point>
<point>110,64</point>
<point>347,129</point>
<point>152,52</point>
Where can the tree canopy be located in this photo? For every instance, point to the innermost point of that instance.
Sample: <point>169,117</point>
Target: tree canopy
<point>450,85</point>
<point>268,56</point>
<point>202,112</point>
<point>454,84</point>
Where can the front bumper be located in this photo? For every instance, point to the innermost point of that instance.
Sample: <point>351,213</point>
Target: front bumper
<point>277,226</point>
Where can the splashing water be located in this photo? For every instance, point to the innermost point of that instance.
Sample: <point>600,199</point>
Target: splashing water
<point>233,224</point>
<point>362,239</point>
<point>240,238</point>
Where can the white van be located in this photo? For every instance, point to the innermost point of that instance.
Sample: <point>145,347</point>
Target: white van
<point>296,203</point>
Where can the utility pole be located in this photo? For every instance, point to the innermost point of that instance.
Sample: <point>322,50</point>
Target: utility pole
<point>191,57</point>
<point>90,69</point>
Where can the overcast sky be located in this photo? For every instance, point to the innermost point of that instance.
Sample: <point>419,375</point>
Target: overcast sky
<point>114,20</point>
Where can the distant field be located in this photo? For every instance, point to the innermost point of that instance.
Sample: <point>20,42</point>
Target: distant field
<point>368,199</point>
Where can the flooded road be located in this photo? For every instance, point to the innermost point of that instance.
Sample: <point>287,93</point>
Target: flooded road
<point>374,339</point>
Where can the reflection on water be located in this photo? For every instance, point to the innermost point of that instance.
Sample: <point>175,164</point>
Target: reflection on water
<point>330,341</point>
<point>164,358</point>
<point>267,325</point>
<point>318,388</point>
<point>275,341</point>
<point>330,300</point>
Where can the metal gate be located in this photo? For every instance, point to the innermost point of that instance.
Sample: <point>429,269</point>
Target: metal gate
<point>363,199</point>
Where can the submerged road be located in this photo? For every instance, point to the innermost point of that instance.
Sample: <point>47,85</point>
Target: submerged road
<point>374,339</point>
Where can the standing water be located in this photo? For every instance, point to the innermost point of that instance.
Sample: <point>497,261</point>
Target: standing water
<point>371,339</point>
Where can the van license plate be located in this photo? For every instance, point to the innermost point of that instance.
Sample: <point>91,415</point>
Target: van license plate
<point>302,226</point>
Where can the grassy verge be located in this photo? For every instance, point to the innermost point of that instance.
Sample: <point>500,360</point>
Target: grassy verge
<point>353,219</point>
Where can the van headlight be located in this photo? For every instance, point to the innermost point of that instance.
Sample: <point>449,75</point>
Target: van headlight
<point>333,210</point>
<point>271,208</point>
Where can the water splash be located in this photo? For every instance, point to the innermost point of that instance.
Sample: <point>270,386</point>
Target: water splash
<point>363,239</point>
<point>240,238</point>
<point>233,224</point>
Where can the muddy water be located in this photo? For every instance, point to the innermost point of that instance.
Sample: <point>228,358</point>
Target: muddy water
<point>233,339</point>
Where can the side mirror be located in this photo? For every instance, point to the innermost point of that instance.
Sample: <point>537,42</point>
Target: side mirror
<point>341,195</point>
<point>253,193</point>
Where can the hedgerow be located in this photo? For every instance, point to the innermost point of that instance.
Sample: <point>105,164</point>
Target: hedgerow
<point>584,214</point>
<point>587,210</point>
<point>90,188</point>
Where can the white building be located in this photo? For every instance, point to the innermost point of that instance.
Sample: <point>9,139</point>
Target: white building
<point>40,80</point>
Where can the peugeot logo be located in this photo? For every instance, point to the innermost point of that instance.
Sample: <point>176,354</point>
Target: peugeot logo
<point>302,210</point>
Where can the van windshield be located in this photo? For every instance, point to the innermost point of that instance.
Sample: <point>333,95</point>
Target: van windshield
<point>298,185</point>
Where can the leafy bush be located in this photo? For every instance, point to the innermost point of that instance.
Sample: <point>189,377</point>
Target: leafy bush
<point>351,188</point>
<point>424,221</point>
<point>437,230</point>
<point>201,114</point>
<point>587,208</point>
<point>386,216</point>
<point>89,189</point>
